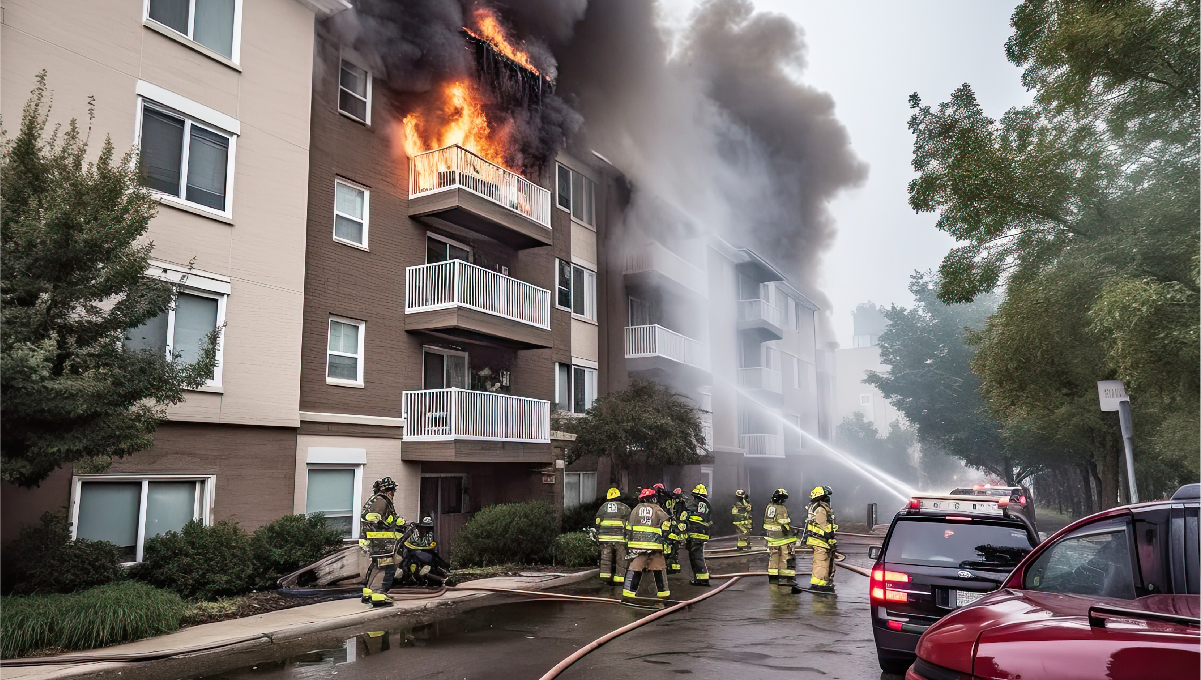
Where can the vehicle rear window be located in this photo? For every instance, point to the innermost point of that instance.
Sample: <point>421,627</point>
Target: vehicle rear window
<point>1095,560</point>
<point>957,544</point>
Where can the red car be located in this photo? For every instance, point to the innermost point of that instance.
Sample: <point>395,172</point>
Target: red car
<point>1114,595</point>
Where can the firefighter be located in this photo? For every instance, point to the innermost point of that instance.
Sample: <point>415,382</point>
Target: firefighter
<point>645,538</point>
<point>611,534</point>
<point>781,541</point>
<point>819,534</point>
<point>700,518</point>
<point>381,530</point>
<point>677,510</point>
<point>742,518</point>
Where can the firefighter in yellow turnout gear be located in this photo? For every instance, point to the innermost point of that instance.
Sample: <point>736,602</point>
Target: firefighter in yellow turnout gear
<point>742,518</point>
<point>645,541</point>
<point>819,534</point>
<point>380,531</point>
<point>611,527</point>
<point>781,541</point>
<point>677,510</point>
<point>700,518</point>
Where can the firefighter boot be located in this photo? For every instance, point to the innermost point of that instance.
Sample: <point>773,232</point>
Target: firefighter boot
<point>661,588</point>
<point>366,599</point>
<point>633,578</point>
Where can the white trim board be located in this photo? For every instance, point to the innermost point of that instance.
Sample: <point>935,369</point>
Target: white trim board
<point>188,107</point>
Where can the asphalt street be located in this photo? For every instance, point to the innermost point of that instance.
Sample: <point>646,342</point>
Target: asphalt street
<point>750,630</point>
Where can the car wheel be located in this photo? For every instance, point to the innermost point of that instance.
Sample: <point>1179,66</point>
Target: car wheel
<point>891,664</point>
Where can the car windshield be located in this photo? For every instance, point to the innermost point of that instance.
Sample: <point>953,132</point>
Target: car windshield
<point>967,545</point>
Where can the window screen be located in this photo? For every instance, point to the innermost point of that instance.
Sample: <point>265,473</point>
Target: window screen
<point>169,506</point>
<point>162,150</point>
<point>214,26</point>
<point>195,318</point>
<point>332,492</point>
<point>208,159</point>
<point>171,13</point>
<point>343,351</point>
<point>108,511</point>
<point>349,205</point>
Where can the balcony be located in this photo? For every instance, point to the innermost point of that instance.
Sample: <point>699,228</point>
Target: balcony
<point>464,425</point>
<point>461,299</point>
<point>654,266</point>
<point>454,185</point>
<point>761,445</point>
<point>764,384</point>
<point>655,347</point>
<point>760,319</point>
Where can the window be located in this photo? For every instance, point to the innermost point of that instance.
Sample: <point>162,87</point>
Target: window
<point>975,545</point>
<point>335,492</point>
<point>354,92</point>
<point>577,195</point>
<point>707,478</point>
<point>350,213</point>
<point>578,487</point>
<point>439,249</point>
<point>212,23</point>
<point>798,310</point>
<point>640,312</point>
<point>1094,561</point>
<point>444,369</point>
<point>865,399</point>
<point>576,289</point>
<point>128,510</point>
<point>441,495</point>
<point>185,158</point>
<point>181,332</point>
<point>575,388</point>
<point>793,442</point>
<point>344,355</point>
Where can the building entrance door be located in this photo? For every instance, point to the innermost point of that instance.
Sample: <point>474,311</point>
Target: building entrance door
<point>442,499</point>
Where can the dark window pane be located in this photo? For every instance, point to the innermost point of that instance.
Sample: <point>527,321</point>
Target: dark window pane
<point>429,496</point>
<point>214,26</point>
<point>564,387</point>
<point>162,151</point>
<point>579,393</point>
<point>435,250</point>
<point>207,164</point>
<point>1096,563</point>
<point>151,336</point>
<point>354,79</point>
<point>343,368</point>
<point>954,544</point>
<point>564,188</point>
<point>351,104</point>
<point>195,318</point>
<point>435,371</point>
<point>564,284</point>
<point>457,253</point>
<point>173,13</point>
<point>577,290</point>
<point>577,195</point>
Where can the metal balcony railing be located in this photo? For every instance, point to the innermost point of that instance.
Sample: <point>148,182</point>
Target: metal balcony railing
<point>433,415</point>
<point>456,283</point>
<point>655,257</point>
<point>753,310</point>
<point>454,166</point>
<point>657,341</point>
<point>764,445</point>
<point>759,378</point>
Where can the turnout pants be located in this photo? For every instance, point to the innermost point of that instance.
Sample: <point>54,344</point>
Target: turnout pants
<point>385,566</point>
<point>612,561</point>
<point>653,561</point>
<point>823,566</point>
<point>673,557</point>
<point>744,530</point>
<point>781,564</point>
<point>696,558</point>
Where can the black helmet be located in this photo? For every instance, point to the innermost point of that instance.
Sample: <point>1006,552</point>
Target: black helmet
<point>385,484</point>
<point>779,496</point>
<point>829,491</point>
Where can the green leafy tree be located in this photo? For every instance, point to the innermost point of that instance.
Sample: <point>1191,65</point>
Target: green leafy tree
<point>74,280</point>
<point>1085,205</point>
<point>890,453</point>
<point>646,423</point>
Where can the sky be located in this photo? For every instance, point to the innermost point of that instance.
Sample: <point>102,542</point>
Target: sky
<point>870,56</point>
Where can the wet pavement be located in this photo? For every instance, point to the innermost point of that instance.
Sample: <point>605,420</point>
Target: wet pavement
<point>750,630</point>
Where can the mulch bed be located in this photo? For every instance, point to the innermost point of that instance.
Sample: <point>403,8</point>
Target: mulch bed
<point>252,604</point>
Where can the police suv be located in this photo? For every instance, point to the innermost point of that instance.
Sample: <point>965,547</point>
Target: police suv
<point>940,553</point>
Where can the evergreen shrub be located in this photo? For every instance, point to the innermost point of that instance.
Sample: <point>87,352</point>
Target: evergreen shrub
<point>519,533</point>
<point>199,561</point>
<point>44,559</point>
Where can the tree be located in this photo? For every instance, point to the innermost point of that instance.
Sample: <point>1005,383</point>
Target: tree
<point>646,423</point>
<point>1085,205</point>
<point>73,282</point>
<point>890,453</point>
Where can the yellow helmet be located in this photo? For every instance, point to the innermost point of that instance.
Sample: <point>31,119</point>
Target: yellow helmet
<point>700,488</point>
<point>612,493</point>
<point>818,492</point>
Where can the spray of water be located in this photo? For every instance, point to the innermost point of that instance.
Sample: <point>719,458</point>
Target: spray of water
<point>886,481</point>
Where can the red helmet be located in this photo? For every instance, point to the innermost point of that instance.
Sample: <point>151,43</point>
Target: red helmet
<point>677,491</point>
<point>647,493</point>
<point>657,486</point>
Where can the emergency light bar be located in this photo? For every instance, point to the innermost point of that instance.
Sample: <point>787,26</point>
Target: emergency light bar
<point>979,505</point>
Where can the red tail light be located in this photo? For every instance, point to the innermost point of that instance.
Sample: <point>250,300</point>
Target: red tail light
<point>1022,501</point>
<point>881,579</point>
<point>914,504</point>
<point>894,625</point>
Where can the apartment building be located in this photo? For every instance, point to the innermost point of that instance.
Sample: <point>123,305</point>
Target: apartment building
<point>216,96</point>
<point>851,365</point>
<point>450,304</point>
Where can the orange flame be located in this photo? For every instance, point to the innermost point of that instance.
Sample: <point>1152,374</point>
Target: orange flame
<point>494,33</point>
<point>461,121</point>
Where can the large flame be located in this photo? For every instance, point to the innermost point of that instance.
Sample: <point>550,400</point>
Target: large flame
<point>490,29</point>
<point>461,121</point>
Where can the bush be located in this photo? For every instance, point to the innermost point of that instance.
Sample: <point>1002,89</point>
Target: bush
<point>508,532</point>
<point>105,615</point>
<point>580,517</point>
<point>289,543</point>
<point>44,559</point>
<point>575,549</point>
<point>199,561</point>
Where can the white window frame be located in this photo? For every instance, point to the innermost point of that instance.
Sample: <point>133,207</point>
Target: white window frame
<point>571,195</point>
<point>235,52</point>
<point>590,302</point>
<point>571,369</point>
<point>707,473</point>
<point>192,113</point>
<point>450,241</point>
<point>450,353</point>
<point>342,382</point>
<point>353,60</point>
<point>865,400</point>
<point>356,499</point>
<point>579,485</point>
<point>202,284</point>
<point>204,499</point>
<point>366,213</point>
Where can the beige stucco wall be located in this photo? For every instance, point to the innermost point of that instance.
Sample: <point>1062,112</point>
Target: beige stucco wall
<point>585,340</point>
<point>102,48</point>
<point>383,460</point>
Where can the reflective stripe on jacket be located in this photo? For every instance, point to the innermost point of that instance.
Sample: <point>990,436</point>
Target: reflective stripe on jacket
<point>742,513</point>
<point>700,518</point>
<point>649,525</point>
<point>820,527</point>
<point>380,528</point>
<point>611,522</point>
<point>777,525</point>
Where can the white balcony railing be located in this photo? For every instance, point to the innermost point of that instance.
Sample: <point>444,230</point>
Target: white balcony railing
<point>433,415</point>
<point>456,283</point>
<point>454,166</point>
<point>657,341</point>
<point>654,257</point>
<point>760,378</point>
<point>764,445</point>
<point>755,310</point>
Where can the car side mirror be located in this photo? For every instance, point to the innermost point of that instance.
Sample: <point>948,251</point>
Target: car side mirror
<point>874,551</point>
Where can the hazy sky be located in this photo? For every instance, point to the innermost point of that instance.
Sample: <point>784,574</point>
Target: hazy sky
<point>870,56</point>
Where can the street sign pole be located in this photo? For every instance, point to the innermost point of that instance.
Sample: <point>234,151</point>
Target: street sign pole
<point>1113,397</point>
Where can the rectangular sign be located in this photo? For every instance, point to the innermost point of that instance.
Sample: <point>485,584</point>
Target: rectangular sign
<point>1111,392</point>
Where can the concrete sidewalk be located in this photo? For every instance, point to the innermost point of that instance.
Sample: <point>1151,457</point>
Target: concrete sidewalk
<point>199,645</point>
